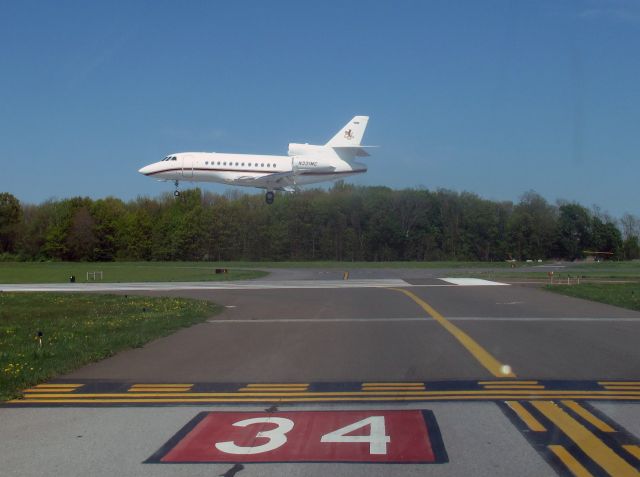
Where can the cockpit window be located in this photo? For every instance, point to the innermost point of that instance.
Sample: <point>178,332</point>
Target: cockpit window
<point>173,158</point>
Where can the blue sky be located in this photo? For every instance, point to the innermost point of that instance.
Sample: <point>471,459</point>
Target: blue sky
<point>492,97</point>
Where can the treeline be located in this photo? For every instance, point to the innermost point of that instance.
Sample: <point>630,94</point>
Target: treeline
<point>344,223</point>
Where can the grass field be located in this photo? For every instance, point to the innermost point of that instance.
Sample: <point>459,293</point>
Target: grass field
<point>626,295</point>
<point>604,270</point>
<point>78,329</point>
<point>59,272</point>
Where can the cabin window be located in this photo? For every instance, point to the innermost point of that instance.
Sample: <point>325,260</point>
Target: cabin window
<point>207,163</point>
<point>243,164</point>
<point>262,165</point>
<point>224,164</point>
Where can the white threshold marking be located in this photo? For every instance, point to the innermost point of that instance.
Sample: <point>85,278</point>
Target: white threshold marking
<point>471,282</point>
<point>425,319</point>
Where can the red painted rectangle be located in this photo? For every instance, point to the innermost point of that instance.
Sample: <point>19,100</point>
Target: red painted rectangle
<point>307,436</point>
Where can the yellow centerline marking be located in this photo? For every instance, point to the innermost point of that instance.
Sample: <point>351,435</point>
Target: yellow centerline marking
<point>587,416</point>
<point>531,422</point>
<point>513,386</point>
<point>569,461</point>
<point>506,381</point>
<point>632,449</point>
<point>620,383</point>
<point>588,442</point>
<point>489,362</point>
<point>49,385</point>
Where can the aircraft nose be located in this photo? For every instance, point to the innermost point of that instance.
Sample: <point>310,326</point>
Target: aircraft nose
<point>145,170</point>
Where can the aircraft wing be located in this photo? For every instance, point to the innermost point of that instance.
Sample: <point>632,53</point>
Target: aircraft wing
<point>276,181</point>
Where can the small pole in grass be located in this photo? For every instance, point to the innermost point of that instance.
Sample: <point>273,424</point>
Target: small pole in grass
<point>40,334</point>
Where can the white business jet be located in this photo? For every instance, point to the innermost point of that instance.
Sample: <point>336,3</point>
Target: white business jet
<point>304,164</point>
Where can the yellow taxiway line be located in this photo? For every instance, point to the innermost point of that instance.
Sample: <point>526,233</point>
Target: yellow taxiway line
<point>494,366</point>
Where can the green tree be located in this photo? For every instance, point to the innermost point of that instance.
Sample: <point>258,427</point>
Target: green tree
<point>532,227</point>
<point>10,218</point>
<point>573,231</point>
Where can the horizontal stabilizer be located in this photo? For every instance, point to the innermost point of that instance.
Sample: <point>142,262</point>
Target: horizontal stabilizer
<point>359,151</point>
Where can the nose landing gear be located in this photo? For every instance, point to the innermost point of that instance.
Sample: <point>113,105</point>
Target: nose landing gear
<point>269,197</point>
<point>176,192</point>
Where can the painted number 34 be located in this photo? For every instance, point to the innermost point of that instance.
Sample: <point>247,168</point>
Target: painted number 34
<point>277,437</point>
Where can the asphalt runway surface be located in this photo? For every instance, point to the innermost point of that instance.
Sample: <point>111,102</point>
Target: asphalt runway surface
<point>494,380</point>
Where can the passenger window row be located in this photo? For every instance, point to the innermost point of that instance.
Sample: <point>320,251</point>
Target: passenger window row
<point>249,164</point>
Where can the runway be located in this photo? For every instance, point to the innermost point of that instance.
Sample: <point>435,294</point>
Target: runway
<point>516,380</point>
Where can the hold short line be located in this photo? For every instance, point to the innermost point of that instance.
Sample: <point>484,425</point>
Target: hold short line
<point>570,462</point>
<point>587,416</point>
<point>526,417</point>
<point>169,400</point>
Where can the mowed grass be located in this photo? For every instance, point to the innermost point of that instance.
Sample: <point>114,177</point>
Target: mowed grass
<point>625,295</point>
<point>604,270</point>
<point>80,328</point>
<point>113,272</point>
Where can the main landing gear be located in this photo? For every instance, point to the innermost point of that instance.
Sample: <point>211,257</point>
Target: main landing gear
<point>269,197</point>
<point>176,192</point>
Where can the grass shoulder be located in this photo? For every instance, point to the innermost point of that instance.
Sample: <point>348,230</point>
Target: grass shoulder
<point>80,328</point>
<point>114,272</point>
<point>625,295</point>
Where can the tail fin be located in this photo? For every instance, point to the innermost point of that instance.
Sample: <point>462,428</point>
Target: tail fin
<point>351,134</point>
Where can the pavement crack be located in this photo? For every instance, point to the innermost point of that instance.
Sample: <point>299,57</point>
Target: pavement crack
<point>233,470</point>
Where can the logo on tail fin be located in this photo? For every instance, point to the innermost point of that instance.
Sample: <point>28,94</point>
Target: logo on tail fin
<point>348,134</point>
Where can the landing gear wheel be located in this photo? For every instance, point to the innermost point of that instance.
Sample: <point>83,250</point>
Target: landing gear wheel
<point>176,193</point>
<point>269,197</point>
